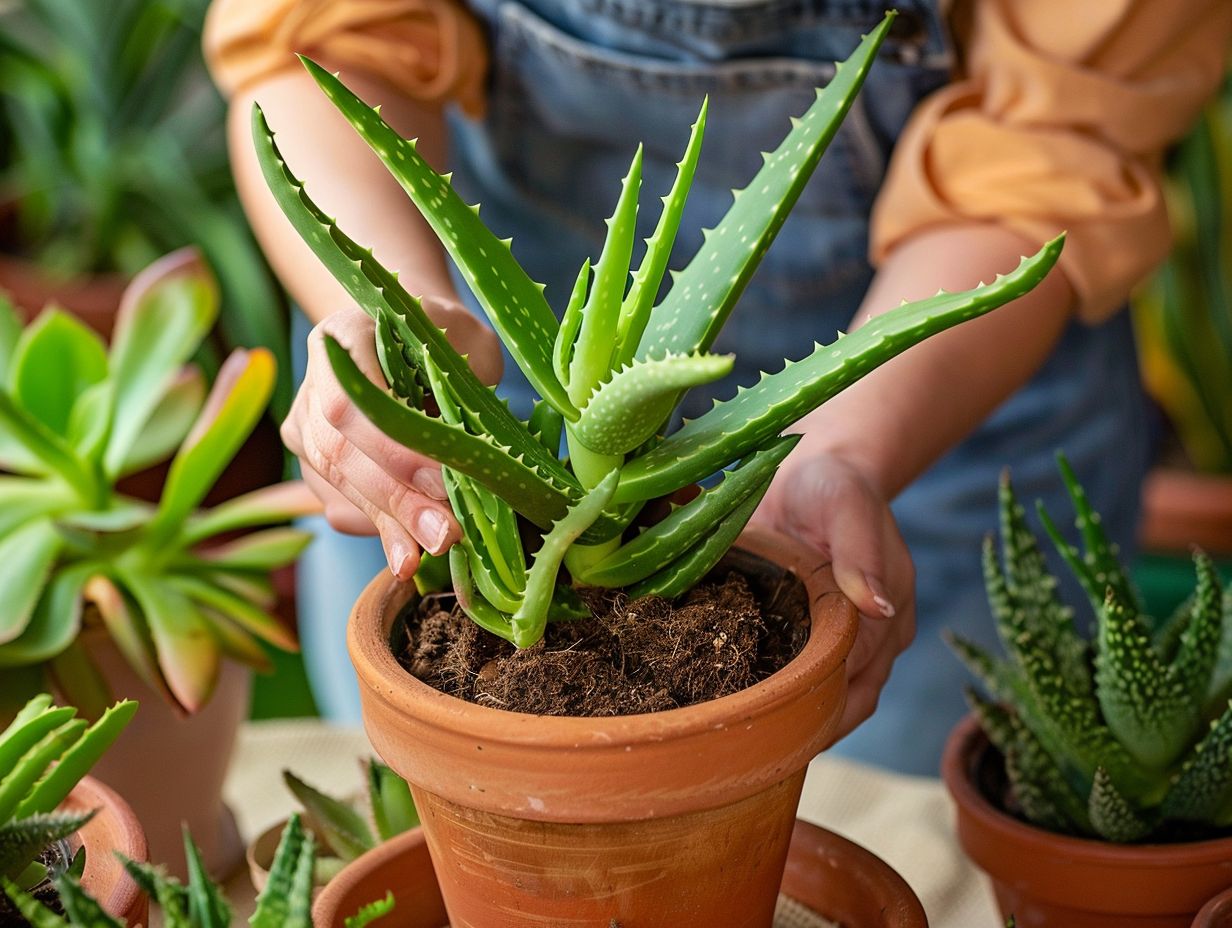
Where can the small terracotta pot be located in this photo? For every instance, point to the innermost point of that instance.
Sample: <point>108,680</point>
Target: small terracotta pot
<point>1054,881</point>
<point>113,828</point>
<point>172,767</point>
<point>826,873</point>
<point>1182,508</point>
<point>672,818</point>
<point>1217,913</point>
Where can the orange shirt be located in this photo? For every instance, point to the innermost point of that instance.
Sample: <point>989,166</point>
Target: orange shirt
<point>1058,118</point>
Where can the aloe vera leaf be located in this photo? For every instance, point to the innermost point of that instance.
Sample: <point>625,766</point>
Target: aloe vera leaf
<point>687,571</point>
<point>76,762</point>
<point>489,569</point>
<point>633,403</point>
<point>16,783</point>
<point>31,725</point>
<point>393,808</point>
<point>343,827</point>
<point>390,348</point>
<point>370,912</point>
<point>570,325</point>
<point>1112,815</point>
<point>512,301</point>
<point>299,904</point>
<point>700,300</point>
<point>38,915</point>
<point>82,908</point>
<point>239,610</point>
<point>530,492</point>
<point>689,525</point>
<point>547,425</point>
<point>166,312</point>
<point>1203,787</point>
<point>265,550</point>
<point>733,428</point>
<point>54,623</point>
<point>187,653</point>
<point>26,559</point>
<point>1101,553</point>
<point>207,906</point>
<point>531,618</point>
<point>378,291</point>
<point>273,903</point>
<point>636,309</point>
<point>478,609</point>
<point>1198,650</point>
<point>595,347</point>
<point>432,574</point>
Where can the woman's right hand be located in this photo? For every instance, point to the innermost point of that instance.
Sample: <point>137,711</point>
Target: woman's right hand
<point>368,482</point>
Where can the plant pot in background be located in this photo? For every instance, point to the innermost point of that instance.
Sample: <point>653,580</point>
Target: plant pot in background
<point>1055,881</point>
<point>94,299</point>
<point>114,828</point>
<point>674,818</point>
<point>172,767</point>
<point>1217,913</point>
<point>1182,508</point>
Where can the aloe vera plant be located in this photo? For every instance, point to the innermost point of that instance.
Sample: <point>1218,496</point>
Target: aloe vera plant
<point>1126,737</point>
<point>75,417</point>
<point>286,901</point>
<point>610,372</point>
<point>44,752</point>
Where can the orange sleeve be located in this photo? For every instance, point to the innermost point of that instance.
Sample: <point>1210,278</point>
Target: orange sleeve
<point>430,50</point>
<point>1060,121</point>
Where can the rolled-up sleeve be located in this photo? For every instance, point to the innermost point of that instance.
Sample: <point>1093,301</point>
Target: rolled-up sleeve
<point>1059,122</point>
<point>430,50</point>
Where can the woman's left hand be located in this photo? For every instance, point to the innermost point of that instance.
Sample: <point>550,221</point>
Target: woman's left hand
<point>826,502</point>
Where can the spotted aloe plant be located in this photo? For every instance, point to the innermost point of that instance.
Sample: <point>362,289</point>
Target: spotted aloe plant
<point>1127,736</point>
<point>76,416</point>
<point>610,372</point>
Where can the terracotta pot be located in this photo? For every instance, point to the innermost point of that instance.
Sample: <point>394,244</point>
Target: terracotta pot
<point>1054,881</point>
<point>113,828</point>
<point>1181,508</point>
<point>826,873</point>
<point>172,767</point>
<point>94,299</point>
<point>672,818</point>
<point>1217,913</point>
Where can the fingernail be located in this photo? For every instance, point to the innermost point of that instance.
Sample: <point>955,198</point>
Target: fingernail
<point>881,598</point>
<point>428,481</point>
<point>431,529</point>
<point>399,555</point>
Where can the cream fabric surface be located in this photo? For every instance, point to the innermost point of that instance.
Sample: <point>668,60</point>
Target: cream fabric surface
<point>905,820</point>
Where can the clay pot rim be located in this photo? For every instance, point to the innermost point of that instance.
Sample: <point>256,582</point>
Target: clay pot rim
<point>824,653</point>
<point>124,899</point>
<point>967,741</point>
<point>1216,912</point>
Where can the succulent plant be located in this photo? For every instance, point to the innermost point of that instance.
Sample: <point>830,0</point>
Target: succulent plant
<point>348,828</point>
<point>286,901</point>
<point>610,373</point>
<point>75,417</point>
<point>1124,737</point>
<point>44,752</point>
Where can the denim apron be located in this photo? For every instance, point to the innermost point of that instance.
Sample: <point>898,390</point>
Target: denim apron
<point>576,84</point>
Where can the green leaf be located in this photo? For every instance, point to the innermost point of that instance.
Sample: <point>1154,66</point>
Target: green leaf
<point>570,325</point>
<point>36,914</point>
<point>343,827</point>
<point>512,301</point>
<point>54,624</point>
<point>56,359</point>
<point>30,726</point>
<point>478,609</point>
<point>187,653</point>
<point>38,450</point>
<point>23,840</point>
<point>17,782</point>
<point>698,304</point>
<point>636,309</point>
<point>531,618</point>
<point>10,333</point>
<point>169,423</point>
<point>1101,553</point>
<point>128,630</point>
<point>166,312</point>
<point>235,607</point>
<point>688,525</point>
<point>1114,817</point>
<point>595,347</point>
<point>632,405</point>
<point>26,559</point>
<point>491,542</point>
<point>266,550</point>
<point>81,908</point>
<point>207,907</point>
<point>237,401</point>
<point>682,574</point>
<point>24,498</point>
<point>370,912</point>
<point>733,428</point>
<point>1203,786</point>
<point>273,905</point>
<point>393,808</point>
<point>266,506</point>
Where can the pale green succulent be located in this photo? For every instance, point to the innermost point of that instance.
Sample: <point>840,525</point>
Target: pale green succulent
<point>610,374</point>
<point>44,752</point>
<point>286,901</point>
<point>75,417</point>
<point>1126,737</point>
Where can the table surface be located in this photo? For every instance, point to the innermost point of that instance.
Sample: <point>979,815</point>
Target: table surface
<point>907,821</point>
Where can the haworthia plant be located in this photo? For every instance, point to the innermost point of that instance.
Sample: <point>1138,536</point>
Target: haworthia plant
<point>286,901</point>
<point>610,373</point>
<point>1126,737</point>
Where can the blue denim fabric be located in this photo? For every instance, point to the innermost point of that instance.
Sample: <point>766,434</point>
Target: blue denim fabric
<point>576,84</point>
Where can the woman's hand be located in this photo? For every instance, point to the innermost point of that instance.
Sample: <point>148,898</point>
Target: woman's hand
<point>367,481</point>
<point>826,502</point>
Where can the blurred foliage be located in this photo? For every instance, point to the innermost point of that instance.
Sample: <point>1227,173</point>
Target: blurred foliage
<point>1184,314</point>
<point>113,152</point>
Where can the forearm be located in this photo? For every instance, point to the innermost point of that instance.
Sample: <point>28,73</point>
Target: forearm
<point>899,419</point>
<point>344,178</point>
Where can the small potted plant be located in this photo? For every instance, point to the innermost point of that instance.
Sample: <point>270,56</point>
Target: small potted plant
<point>54,819</point>
<point>677,805</point>
<point>104,594</point>
<point>1097,789</point>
